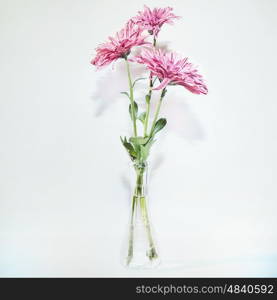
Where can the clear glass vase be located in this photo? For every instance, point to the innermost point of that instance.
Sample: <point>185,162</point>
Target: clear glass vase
<point>140,249</point>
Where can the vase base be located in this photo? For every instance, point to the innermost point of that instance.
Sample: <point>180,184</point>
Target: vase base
<point>139,264</point>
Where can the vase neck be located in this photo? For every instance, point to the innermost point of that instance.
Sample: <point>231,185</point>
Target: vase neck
<point>141,169</point>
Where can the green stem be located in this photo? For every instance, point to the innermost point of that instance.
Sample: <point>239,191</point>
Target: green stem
<point>152,253</point>
<point>131,233</point>
<point>148,107</point>
<point>131,97</point>
<point>157,112</point>
<point>137,192</point>
<point>149,97</point>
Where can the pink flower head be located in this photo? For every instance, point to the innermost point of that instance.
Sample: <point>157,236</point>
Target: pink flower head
<point>152,20</point>
<point>171,69</point>
<point>120,46</point>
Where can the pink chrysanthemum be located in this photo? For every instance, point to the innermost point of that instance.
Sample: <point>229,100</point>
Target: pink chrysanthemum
<point>171,69</point>
<point>120,46</point>
<point>152,20</point>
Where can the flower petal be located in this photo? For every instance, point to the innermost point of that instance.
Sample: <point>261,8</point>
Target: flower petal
<point>163,84</point>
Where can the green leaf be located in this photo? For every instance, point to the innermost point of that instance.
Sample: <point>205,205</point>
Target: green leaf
<point>159,125</point>
<point>130,149</point>
<point>145,149</point>
<point>134,83</point>
<point>125,93</point>
<point>143,153</point>
<point>140,146</point>
<point>142,117</point>
<point>139,140</point>
<point>135,110</point>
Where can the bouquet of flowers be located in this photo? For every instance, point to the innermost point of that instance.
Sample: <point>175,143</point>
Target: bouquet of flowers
<point>165,70</point>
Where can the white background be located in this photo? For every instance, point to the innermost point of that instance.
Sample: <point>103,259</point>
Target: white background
<point>64,197</point>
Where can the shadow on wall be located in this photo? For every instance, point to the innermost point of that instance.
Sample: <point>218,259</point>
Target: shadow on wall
<point>111,83</point>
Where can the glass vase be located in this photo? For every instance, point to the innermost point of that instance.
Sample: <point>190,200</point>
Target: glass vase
<point>140,250</point>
